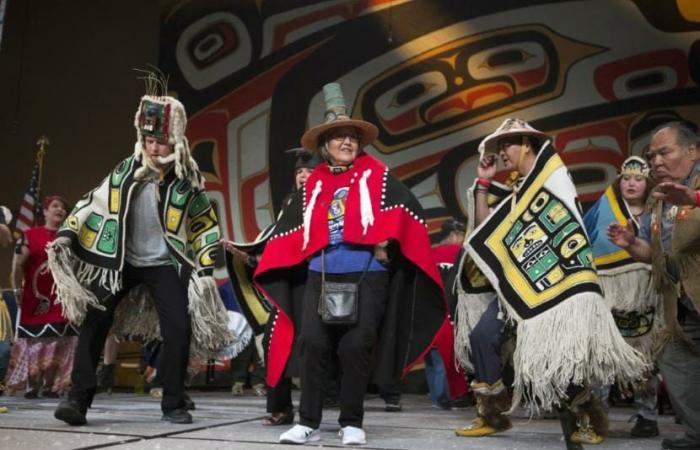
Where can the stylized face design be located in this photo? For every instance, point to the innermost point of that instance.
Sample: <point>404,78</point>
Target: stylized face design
<point>466,81</point>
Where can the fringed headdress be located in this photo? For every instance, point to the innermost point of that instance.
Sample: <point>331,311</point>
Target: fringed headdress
<point>164,118</point>
<point>634,165</point>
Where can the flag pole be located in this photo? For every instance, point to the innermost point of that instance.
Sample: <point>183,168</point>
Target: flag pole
<point>43,142</point>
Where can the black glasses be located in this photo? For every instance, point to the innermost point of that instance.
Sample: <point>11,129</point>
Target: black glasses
<point>342,135</point>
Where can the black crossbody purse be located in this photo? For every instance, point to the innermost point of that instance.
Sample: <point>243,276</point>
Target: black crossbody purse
<point>339,303</point>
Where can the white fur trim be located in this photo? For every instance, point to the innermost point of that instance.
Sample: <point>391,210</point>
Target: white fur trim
<point>309,211</point>
<point>367,216</point>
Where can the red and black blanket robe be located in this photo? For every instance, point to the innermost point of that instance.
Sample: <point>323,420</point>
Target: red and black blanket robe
<point>416,318</point>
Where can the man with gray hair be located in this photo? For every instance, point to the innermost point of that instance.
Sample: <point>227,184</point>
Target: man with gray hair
<point>669,239</point>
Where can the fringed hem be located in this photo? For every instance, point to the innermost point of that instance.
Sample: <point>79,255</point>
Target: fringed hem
<point>240,328</point>
<point>210,331</point>
<point>470,308</point>
<point>71,275</point>
<point>629,291</point>
<point>575,342</point>
<point>136,317</point>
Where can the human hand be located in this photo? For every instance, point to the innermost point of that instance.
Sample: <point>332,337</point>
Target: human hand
<point>487,167</point>
<point>622,236</point>
<point>380,253</point>
<point>674,193</point>
<point>235,251</point>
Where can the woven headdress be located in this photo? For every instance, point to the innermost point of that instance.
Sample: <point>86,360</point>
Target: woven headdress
<point>634,165</point>
<point>164,118</point>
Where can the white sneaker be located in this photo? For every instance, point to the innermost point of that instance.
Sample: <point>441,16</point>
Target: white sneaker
<point>300,434</point>
<point>352,435</point>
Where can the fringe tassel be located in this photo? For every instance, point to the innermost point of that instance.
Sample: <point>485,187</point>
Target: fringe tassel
<point>574,342</point>
<point>136,317</point>
<point>629,291</point>
<point>210,329</point>
<point>470,308</point>
<point>240,328</point>
<point>74,298</point>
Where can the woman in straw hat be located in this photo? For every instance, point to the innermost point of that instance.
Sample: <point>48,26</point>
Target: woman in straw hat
<point>360,230</point>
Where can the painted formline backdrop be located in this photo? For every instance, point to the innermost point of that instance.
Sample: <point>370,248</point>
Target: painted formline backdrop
<point>434,76</point>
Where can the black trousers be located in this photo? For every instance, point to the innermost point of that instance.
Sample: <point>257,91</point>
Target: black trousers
<point>170,297</point>
<point>354,345</point>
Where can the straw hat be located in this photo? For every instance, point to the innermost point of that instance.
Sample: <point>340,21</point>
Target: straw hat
<point>337,116</point>
<point>509,127</point>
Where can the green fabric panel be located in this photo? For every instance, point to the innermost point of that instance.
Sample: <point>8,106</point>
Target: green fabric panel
<point>108,238</point>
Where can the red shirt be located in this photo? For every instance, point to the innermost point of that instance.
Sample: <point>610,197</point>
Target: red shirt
<point>38,303</point>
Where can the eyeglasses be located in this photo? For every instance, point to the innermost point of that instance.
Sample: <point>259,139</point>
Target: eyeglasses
<point>342,135</point>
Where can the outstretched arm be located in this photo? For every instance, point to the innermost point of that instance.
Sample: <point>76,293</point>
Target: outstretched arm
<point>676,194</point>
<point>623,237</point>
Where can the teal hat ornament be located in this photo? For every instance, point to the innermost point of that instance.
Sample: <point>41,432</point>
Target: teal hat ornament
<point>337,116</point>
<point>634,165</point>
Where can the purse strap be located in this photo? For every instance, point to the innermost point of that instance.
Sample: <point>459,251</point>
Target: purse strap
<point>323,268</point>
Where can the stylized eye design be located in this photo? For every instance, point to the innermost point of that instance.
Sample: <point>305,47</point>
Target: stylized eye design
<point>212,44</point>
<point>213,48</point>
<point>643,74</point>
<point>506,60</point>
<point>399,107</point>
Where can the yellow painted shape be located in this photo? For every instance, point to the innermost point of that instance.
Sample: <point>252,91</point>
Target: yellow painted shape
<point>114,200</point>
<point>260,314</point>
<point>87,237</point>
<point>173,218</point>
<point>689,9</point>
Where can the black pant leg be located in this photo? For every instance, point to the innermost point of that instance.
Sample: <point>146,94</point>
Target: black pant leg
<point>91,340</point>
<point>355,348</point>
<point>279,398</point>
<point>314,344</point>
<point>171,303</point>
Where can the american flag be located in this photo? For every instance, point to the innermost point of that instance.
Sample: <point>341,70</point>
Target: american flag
<point>30,212</point>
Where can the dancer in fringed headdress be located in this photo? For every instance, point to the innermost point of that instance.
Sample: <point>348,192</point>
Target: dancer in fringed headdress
<point>529,247</point>
<point>139,250</point>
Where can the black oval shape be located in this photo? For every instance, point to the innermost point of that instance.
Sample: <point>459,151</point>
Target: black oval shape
<point>505,57</point>
<point>409,93</point>
<point>645,81</point>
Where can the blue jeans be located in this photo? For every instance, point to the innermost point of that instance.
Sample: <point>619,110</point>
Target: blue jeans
<point>437,379</point>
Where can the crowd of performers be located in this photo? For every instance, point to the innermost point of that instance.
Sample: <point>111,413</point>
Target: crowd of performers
<point>345,284</point>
